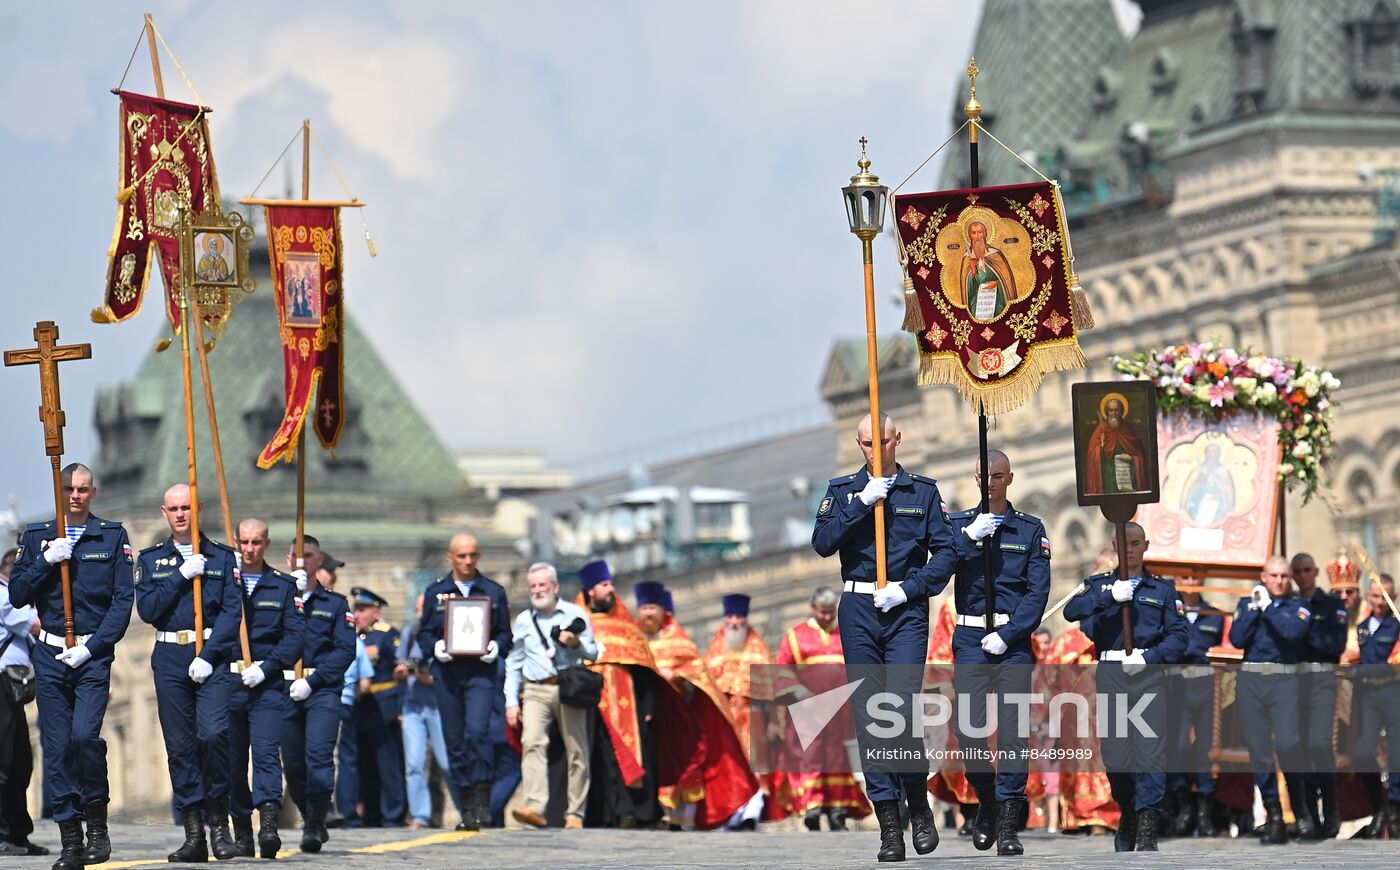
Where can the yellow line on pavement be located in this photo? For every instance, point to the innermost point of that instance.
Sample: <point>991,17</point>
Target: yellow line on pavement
<point>118,865</point>
<point>401,845</point>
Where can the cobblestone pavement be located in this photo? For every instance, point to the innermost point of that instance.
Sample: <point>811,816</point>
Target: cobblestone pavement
<point>145,846</point>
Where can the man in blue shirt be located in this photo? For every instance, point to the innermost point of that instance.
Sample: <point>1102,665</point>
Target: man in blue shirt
<point>547,638</point>
<point>1317,691</point>
<point>1270,626</point>
<point>422,725</point>
<point>1378,699</point>
<point>1191,700</point>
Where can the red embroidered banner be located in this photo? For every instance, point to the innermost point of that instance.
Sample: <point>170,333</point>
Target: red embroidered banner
<point>166,162</point>
<point>988,290</point>
<point>304,243</point>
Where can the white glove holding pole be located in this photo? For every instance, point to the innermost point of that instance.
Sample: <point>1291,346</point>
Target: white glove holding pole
<point>492,653</point>
<point>200,670</point>
<point>1122,590</point>
<point>993,645</point>
<point>300,690</point>
<point>876,489</point>
<point>1133,663</point>
<point>253,675</point>
<point>192,566</point>
<point>300,574</point>
<point>75,657</point>
<point>982,526</point>
<point>1259,597</point>
<point>890,597</point>
<point>58,550</point>
<point>440,652</point>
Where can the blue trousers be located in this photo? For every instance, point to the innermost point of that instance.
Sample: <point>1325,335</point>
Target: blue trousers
<point>309,730</point>
<point>255,721</point>
<point>507,770</point>
<point>976,675</point>
<point>347,782</point>
<point>194,723</point>
<point>872,642</point>
<point>422,729</point>
<point>1191,706</point>
<point>1136,763</point>
<point>1269,709</point>
<point>72,704</point>
<point>381,764</point>
<point>465,694</point>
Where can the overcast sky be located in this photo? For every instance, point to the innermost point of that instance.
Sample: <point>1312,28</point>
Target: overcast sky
<point>599,224</point>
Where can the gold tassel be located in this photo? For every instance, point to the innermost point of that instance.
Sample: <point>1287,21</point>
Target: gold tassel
<point>913,315</point>
<point>1080,311</point>
<point>126,193</point>
<point>100,315</point>
<point>163,345</point>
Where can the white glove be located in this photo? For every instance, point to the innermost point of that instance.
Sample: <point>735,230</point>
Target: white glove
<point>192,566</point>
<point>890,597</point>
<point>981,527</point>
<point>492,653</point>
<point>58,550</point>
<point>301,690</point>
<point>1122,590</point>
<point>200,670</point>
<point>75,656</point>
<point>1133,663</point>
<point>253,675</point>
<point>1259,597</point>
<point>300,574</point>
<point>440,652</point>
<point>993,645</point>
<point>876,489</point>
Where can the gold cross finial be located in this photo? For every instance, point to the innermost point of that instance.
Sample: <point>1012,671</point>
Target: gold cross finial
<point>973,108</point>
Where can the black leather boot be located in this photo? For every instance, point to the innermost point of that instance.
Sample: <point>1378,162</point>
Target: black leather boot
<point>1275,834</point>
<point>921,821</point>
<point>969,811</point>
<point>195,849</point>
<point>1205,817</point>
<point>1185,818</point>
<point>836,818</point>
<point>482,792</point>
<point>269,842</point>
<point>1331,820</point>
<point>1303,807</point>
<point>99,843</point>
<point>220,840</point>
<point>311,827</point>
<point>1125,838</point>
<point>1008,827</point>
<point>984,827</point>
<point>70,834</point>
<point>1147,822</point>
<point>243,836</point>
<point>891,834</point>
<point>469,820</point>
<point>812,819</point>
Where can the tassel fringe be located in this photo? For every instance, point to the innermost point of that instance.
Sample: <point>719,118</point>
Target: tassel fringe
<point>1005,395</point>
<point>913,316</point>
<point>1080,311</point>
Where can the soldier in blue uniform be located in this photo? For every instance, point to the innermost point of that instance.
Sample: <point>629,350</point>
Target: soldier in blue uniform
<point>193,708</point>
<point>73,684</point>
<point>1270,626</point>
<point>1317,691</point>
<point>1134,761</point>
<point>466,686</point>
<point>1000,662</point>
<point>383,789</point>
<point>889,627</point>
<point>1191,700</point>
<point>1378,699</point>
<point>314,712</point>
<point>257,712</point>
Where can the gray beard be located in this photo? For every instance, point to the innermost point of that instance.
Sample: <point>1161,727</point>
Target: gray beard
<point>735,637</point>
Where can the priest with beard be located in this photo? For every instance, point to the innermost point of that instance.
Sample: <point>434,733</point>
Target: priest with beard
<point>716,780</point>
<point>734,651</point>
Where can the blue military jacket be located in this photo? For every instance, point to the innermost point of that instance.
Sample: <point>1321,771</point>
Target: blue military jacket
<point>1021,563</point>
<point>430,621</point>
<point>165,599</point>
<point>1160,630</point>
<point>100,570</point>
<point>274,625</point>
<point>328,638</point>
<point>1206,630</point>
<point>1274,634</point>
<point>916,524</point>
<point>382,646</point>
<point>1327,631</point>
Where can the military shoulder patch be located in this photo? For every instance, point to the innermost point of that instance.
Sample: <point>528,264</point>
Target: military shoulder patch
<point>1180,607</point>
<point>136,574</point>
<point>1304,613</point>
<point>1045,546</point>
<point>825,507</point>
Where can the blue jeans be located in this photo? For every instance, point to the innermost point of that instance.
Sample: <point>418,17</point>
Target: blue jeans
<point>422,727</point>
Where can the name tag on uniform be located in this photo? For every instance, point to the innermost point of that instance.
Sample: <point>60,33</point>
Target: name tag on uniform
<point>324,614</point>
<point>212,572</point>
<point>161,575</point>
<point>270,605</point>
<point>1209,629</point>
<point>86,557</point>
<point>1155,601</point>
<point>1015,548</point>
<point>908,511</point>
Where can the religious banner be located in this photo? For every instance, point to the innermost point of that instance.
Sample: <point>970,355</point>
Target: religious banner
<point>166,164</point>
<point>988,290</point>
<point>304,242</point>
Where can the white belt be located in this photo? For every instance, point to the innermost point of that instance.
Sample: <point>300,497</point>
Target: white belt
<point>1192,672</point>
<point>183,637</point>
<point>1112,655</point>
<point>860,587</point>
<point>981,621</point>
<point>1315,667</point>
<point>1268,668</point>
<point>56,640</point>
<point>292,675</point>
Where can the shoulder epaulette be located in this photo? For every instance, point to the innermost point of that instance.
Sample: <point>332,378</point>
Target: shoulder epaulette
<point>922,478</point>
<point>110,524</point>
<point>222,546</point>
<point>153,547</point>
<point>380,625</point>
<point>845,478</point>
<point>36,527</point>
<point>1103,576</point>
<point>962,515</point>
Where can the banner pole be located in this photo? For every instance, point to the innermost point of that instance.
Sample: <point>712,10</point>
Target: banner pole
<point>190,445</point>
<point>301,436</point>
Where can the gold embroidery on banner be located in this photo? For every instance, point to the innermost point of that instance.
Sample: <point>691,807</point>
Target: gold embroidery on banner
<point>1023,324</point>
<point>134,227</point>
<point>323,240</point>
<point>1043,240</point>
<point>301,235</point>
<point>125,291</point>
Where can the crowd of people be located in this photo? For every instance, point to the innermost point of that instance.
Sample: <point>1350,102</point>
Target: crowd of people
<point>590,712</point>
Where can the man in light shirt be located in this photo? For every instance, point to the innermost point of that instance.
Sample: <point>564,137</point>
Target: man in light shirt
<point>549,637</point>
<point>18,627</point>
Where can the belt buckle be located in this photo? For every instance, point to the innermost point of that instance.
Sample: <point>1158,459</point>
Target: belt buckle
<point>184,637</point>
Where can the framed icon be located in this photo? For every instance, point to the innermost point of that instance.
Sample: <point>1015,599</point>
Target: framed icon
<point>301,284</point>
<point>1115,442</point>
<point>467,626</point>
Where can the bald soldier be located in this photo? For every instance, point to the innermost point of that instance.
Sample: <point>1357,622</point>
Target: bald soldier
<point>193,706</point>
<point>466,685</point>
